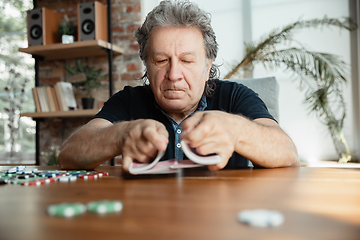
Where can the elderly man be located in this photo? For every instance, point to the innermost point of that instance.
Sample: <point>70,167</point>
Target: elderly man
<point>183,100</point>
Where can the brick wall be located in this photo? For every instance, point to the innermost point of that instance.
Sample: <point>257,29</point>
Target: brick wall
<point>127,68</point>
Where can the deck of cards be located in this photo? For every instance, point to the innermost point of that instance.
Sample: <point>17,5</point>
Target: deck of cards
<point>173,165</point>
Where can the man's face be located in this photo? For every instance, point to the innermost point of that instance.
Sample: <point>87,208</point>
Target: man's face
<point>177,69</point>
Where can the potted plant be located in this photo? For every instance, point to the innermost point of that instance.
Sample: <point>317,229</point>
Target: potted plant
<point>321,75</point>
<point>67,30</point>
<point>86,79</point>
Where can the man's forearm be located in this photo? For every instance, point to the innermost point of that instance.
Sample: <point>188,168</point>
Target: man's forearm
<point>89,147</point>
<point>267,145</point>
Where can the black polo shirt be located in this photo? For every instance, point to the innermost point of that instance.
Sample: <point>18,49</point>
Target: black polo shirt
<point>133,103</point>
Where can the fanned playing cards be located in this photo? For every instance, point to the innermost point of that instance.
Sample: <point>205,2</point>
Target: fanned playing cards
<point>173,165</point>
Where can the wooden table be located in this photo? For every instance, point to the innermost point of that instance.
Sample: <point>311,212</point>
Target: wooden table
<point>317,203</point>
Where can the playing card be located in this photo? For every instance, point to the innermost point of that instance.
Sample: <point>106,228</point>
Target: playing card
<point>173,165</point>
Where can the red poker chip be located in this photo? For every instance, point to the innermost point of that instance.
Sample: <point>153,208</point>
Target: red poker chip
<point>38,182</point>
<point>48,180</point>
<point>103,174</point>
<point>33,183</point>
<point>89,176</point>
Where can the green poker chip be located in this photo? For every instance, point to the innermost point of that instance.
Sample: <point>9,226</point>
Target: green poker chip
<point>66,209</point>
<point>105,206</point>
<point>20,181</point>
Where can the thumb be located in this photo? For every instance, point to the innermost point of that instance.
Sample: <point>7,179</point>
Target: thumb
<point>126,161</point>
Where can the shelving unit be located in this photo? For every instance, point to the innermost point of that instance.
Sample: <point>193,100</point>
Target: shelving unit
<point>59,51</point>
<point>62,114</point>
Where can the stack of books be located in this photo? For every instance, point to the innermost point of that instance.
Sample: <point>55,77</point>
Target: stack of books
<point>57,98</point>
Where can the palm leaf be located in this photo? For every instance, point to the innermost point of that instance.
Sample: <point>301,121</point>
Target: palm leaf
<point>321,74</point>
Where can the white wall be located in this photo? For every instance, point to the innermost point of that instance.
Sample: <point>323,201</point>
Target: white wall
<point>310,136</point>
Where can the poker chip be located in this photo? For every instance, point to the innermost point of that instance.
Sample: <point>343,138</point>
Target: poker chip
<point>20,181</point>
<point>78,171</point>
<point>103,174</point>
<point>3,181</point>
<point>9,174</point>
<point>27,171</point>
<point>105,206</point>
<point>66,178</point>
<point>26,176</point>
<point>35,177</point>
<point>261,218</point>
<point>66,209</point>
<point>15,169</point>
<point>54,171</point>
<point>38,182</point>
<point>48,174</point>
<point>32,183</point>
<point>89,176</point>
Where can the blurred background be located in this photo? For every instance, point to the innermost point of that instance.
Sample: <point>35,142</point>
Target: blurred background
<point>235,22</point>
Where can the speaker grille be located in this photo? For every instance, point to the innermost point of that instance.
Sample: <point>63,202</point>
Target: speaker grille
<point>35,34</point>
<point>87,21</point>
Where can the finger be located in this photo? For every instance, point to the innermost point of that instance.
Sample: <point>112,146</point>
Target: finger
<point>126,161</point>
<point>161,129</point>
<point>219,165</point>
<point>145,150</point>
<point>157,136</point>
<point>202,133</point>
<point>164,135</point>
<point>190,123</point>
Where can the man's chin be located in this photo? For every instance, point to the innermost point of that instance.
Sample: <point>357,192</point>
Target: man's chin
<point>174,105</point>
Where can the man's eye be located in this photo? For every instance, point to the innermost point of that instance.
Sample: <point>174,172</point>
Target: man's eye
<point>186,61</point>
<point>161,61</point>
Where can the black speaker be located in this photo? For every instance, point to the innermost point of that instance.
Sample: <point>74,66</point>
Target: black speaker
<point>42,26</point>
<point>92,21</point>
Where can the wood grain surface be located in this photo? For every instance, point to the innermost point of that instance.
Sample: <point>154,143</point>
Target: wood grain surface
<point>317,203</point>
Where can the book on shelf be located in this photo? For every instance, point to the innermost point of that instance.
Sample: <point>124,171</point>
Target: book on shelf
<point>43,99</point>
<point>50,96</point>
<point>36,100</point>
<point>61,99</point>
<point>57,103</point>
<point>52,99</point>
<point>68,94</point>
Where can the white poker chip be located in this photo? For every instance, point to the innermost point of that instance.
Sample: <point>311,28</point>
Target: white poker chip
<point>261,217</point>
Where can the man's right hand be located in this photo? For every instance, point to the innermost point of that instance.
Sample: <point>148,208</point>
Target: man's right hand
<point>100,140</point>
<point>141,140</point>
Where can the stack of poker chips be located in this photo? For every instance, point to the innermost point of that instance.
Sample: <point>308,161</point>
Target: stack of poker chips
<point>34,177</point>
<point>71,209</point>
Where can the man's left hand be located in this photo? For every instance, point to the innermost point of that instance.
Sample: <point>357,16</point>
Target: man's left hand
<point>212,132</point>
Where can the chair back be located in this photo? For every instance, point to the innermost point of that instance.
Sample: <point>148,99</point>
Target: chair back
<point>267,89</point>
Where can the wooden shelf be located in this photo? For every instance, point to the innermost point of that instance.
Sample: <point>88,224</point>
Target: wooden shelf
<point>62,114</point>
<point>80,49</point>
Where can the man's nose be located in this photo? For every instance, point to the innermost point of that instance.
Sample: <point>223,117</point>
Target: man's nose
<point>175,71</point>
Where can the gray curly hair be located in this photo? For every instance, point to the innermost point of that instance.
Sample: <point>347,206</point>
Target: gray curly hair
<point>181,14</point>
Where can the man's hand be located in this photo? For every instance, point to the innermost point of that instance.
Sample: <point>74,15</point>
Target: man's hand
<point>141,140</point>
<point>100,140</point>
<point>262,140</point>
<point>212,132</point>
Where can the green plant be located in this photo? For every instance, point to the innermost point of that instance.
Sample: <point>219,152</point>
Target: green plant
<point>321,75</point>
<point>67,28</point>
<point>93,77</point>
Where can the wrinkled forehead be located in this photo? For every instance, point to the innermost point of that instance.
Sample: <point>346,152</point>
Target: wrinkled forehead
<point>178,40</point>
